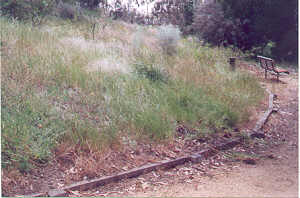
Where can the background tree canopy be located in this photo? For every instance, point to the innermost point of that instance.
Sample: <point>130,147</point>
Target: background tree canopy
<point>251,25</point>
<point>265,21</point>
<point>267,27</point>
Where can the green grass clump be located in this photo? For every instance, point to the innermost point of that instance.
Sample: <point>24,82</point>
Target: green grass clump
<point>151,72</point>
<point>29,130</point>
<point>191,104</point>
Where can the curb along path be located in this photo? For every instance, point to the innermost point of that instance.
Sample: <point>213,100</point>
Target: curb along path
<point>256,132</point>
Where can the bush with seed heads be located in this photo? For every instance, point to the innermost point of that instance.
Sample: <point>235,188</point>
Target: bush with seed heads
<point>168,37</point>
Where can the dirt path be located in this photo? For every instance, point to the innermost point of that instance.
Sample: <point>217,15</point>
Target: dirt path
<point>267,179</point>
<point>276,176</point>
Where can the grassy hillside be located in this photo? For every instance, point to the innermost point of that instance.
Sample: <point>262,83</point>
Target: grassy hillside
<point>60,85</point>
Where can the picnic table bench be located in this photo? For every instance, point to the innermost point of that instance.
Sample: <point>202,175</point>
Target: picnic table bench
<point>268,64</point>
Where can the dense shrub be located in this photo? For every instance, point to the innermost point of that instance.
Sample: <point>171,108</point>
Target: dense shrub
<point>90,4</point>
<point>286,48</point>
<point>178,12</point>
<point>266,21</point>
<point>24,10</point>
<point>211,25</point>
<point>250,25</point>
<point>68,11</point>
<point>36,9</point>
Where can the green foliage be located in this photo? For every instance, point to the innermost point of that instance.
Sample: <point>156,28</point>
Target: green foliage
<point>211,26</point>
<point>190,104</point>
<point>91,4</point>
<point>69,11</point>
<point>264,21</point>
<point>141,107</point>
<point>27,10</point>
<point>150,72</point>
<point>153,123</point>
<point>179,13</point>
<point>250,25</point>
<point>28,130</point>
<point>188,12</point>
<point>36,10</point>
<point>286,48</point>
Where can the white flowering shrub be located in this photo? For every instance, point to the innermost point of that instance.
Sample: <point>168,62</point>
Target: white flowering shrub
<point>168,37</point>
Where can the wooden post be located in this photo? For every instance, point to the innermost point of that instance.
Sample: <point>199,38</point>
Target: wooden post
<point>266,68</point>
<point>232,63</point>
<point>93,30</point>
